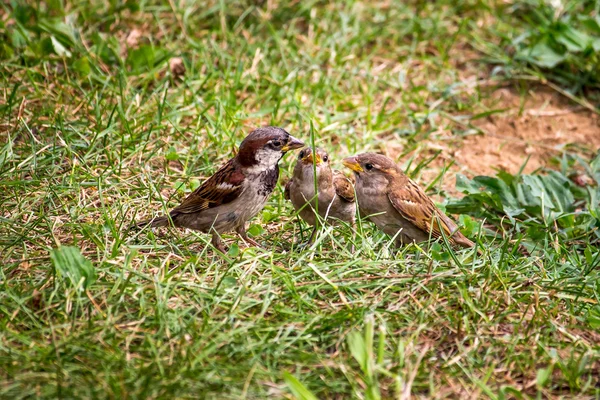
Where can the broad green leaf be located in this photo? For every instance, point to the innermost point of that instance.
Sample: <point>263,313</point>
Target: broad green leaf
<point>194,184</point>
<point>82,66</point>
<point>106,47</point>
<point>18,38</point>
<point>543,375</point>
<point>180,186</point>
<point>510,393</point>
<point>534,195</point>
<point>172,154</point>
<point>590,23</point>
<point>558,186</point>
<point>438,253</point>
<point>71,266</point>
<point>465,185</point>
<point>6,152</point>
<point>230,281</point>
<point>234,250</point>
<point>542,55</point>
<point>468,204</point>
<point>23,13</point>
<point>502,193</point>
<point>593,317</point>
<point>297,388</point>
<point>573,39</point>
<point>58,29</point>
<point>506,177</point>
<point>145,57</point>
<point>59,49</point>
<point>358,349</point>
<point>468,225</point>
<point>255,230</point>
<point>589,258</point>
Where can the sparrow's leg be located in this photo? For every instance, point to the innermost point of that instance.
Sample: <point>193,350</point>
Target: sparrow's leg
<point>302,246</point>
<point>312,235</point>
<point>216,242</point>
<point>353,236</point>
<point>241,230</point>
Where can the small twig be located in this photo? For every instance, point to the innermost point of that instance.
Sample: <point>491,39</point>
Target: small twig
<point>581,102</point>
<point>372,278</point>
<point>551,113</point>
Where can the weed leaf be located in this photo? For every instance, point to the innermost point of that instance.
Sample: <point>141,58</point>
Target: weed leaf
<point>297,388</point>
<point>71,266</point>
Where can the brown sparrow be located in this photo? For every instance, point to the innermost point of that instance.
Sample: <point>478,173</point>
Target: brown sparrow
<point>237,191</point>
<point>335,199</point>
<point>396,204</point>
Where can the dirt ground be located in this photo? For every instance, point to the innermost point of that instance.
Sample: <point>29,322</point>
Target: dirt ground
<point>540,124</point>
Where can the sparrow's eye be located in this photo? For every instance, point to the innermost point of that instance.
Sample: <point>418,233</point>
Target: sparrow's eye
<point>369,166</point>
<point>276,143</point>
<point>301,155</point>
<point>326,158</point>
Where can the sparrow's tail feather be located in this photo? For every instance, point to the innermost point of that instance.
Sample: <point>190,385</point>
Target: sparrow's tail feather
<point>152,223</point>
<point>462,241</point>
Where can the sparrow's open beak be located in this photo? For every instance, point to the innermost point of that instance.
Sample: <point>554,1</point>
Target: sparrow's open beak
<point>292,144</point>
<point>309,159</point>
<point>352,163</point>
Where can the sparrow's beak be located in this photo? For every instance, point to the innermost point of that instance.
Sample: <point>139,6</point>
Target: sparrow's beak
<point>309,159</point>
<point>352,163</point>
<point>292,144</point>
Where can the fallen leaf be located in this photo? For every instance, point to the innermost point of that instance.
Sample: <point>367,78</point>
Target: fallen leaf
<point>582,180</point>
<point>176,67</point>
<point>133,39</point>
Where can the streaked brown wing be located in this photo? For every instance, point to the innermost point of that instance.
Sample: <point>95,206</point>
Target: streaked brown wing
<point>286,190</point>
<point>415,206</point>
<point>221,188</point>
<point>343,186</point>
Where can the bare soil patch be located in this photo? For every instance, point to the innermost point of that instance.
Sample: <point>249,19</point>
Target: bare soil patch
<point>539,124</point>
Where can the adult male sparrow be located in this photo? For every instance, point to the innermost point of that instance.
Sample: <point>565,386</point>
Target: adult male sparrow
<point>396,204</point>
<point>237,191</point>
<point>335,193</point>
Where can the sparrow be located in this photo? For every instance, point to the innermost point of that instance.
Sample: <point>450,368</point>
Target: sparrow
<point>335,199</point>
<point>236,192</point>
<point>396,204</point>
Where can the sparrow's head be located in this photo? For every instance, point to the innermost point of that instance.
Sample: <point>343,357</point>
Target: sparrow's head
<point>372,167</point>
<point>306,158</point>
<point>264,147</point>
<point>307,161</point>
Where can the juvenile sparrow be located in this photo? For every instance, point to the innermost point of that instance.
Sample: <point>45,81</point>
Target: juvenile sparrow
<point>396,204</point>
<point>335,199</point>
<point>237,191</point>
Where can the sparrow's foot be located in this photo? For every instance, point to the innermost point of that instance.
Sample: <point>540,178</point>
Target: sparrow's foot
<point>242,232</point>
<point>302,246</point>
<point>251,242</point>
<point>311,239</point>
<point>354,234</point>
<point>218,244</point>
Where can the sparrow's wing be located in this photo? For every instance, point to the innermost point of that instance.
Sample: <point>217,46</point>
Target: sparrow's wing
<point>286,190</point>
<point>343,186</point>
<point>415,206</point>
<point>221,188</point>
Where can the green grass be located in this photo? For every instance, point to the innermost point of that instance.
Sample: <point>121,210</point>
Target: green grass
<point>95,133</point>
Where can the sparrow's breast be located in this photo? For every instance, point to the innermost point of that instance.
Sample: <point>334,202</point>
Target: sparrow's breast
<point>343,210</point>
<point>255,195</point>
<point>371,200</point>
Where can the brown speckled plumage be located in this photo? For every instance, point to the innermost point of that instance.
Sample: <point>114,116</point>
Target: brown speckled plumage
<point>335,199</point>
<point>237,191</point>
<point>396,204</point>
